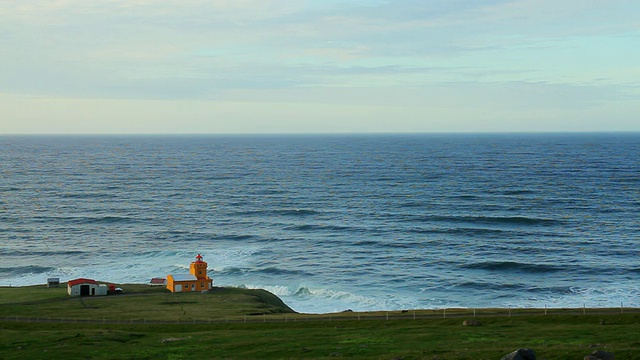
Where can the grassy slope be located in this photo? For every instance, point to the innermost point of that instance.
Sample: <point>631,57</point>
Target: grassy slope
<point>140,302</point>
<point>552,337</point>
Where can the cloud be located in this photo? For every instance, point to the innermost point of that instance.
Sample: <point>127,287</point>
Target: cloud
<point>438,59</point>
<point>453,107</point>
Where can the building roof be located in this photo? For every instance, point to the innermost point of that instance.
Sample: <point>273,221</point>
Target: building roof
<point>81,281</point>
<point>157,281</point>
<point>184,277</point>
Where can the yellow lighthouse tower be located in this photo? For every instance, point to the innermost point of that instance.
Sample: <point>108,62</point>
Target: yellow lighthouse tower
<point>196,280</point>
<point>199,268</point>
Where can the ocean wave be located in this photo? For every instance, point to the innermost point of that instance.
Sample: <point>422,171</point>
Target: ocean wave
<point>179,268</point>
<point>518,192</point>
<point>513,266</point>
<point>87,195</point>
<point>480,285</point>
<point>229,271</point>
<point>366,243</point>
<point>267,192</point>
<point>466,231</point>
<point>513,289</point>
<point>400,244</point>
<point>107,219</point>
<point>498,220</point>
<point>320,299</point>
<point>22,252</point>
<point>11,188</point>
<point>315,227</point>
<point>278,212</point>
<point>280,271</point>
<point>271,271</point>
<point>200,237</point>
<point>296,212</point>
<point>467,197</point>
<point>411,204</point>
<point>235,237</point>
<point>24,270</point>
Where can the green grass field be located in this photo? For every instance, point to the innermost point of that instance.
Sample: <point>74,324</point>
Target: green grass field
<point>37,322</point>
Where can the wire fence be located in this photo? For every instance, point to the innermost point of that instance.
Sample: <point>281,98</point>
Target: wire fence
<point>344,316</point>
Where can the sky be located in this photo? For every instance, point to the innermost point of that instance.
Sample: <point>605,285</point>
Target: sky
<point>318,66</point>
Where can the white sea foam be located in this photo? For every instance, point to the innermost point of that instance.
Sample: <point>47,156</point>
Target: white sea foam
<point>325,300</point>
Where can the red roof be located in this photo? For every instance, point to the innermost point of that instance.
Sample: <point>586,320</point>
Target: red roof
<point>81,281</point>
<point>157,281</point>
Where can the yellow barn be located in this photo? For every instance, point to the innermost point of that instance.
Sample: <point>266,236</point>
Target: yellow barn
<point>196,280</point>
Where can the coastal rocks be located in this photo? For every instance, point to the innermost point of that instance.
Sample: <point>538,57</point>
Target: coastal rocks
<point>600,355</point>
<point>521,354</point>
<point>471,323</point>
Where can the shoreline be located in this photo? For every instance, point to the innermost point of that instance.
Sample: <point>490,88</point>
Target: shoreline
<point>440,312</point>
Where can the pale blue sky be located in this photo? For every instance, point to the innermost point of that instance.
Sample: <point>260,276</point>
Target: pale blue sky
<point>284,66</point>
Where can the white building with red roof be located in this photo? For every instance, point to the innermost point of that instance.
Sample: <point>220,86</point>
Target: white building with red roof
<point>85,287</point>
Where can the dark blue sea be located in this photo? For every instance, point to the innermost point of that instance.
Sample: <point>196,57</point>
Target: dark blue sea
<point>334,222</point>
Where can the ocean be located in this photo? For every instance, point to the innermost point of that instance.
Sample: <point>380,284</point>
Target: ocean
<point>333,222</point>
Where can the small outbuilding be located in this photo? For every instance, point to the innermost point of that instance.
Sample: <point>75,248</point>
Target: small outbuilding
<point>53,282</point>
<point>85,287</point>
<point>158,282</point>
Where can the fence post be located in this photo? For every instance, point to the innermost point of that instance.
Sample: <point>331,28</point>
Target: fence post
<point>509,311</point>
<point>414,314</point>
<point>387,314</point>
<point>474,313</point>
<point>444,313</point>
<point>584,309</point>
<point>545,309</point>
<point>621,309</point>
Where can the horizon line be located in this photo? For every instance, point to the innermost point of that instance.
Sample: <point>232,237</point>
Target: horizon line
<point>543,132</point>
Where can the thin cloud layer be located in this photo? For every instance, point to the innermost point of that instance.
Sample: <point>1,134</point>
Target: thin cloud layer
<point>429,65</point>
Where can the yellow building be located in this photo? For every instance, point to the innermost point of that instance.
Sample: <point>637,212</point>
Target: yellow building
<point>196,280</point>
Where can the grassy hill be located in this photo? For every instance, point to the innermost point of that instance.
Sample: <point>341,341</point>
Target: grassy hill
<point>145,322</point>
<point>139,302</point>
